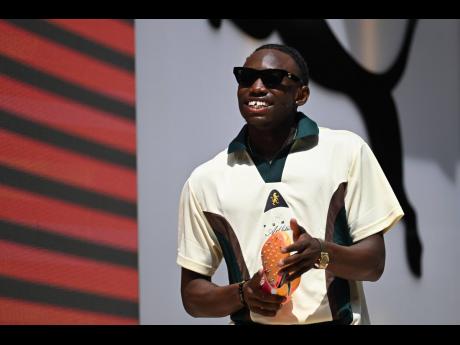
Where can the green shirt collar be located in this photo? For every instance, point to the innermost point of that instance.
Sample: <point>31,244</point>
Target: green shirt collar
<point>305,128</point>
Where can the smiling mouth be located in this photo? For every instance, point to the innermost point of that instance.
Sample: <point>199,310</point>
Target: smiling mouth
<point>258,105</point>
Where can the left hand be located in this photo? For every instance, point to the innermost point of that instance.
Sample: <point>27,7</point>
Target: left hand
<point>308,251</point>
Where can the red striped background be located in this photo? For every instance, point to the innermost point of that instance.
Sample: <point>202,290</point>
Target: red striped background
<point>108,32</point>
<point>70,117</point>
<point>67,271</point>
<point>26,153</point>
<point>64,218</point>
<point>61,165</point>
<point>15,311</point>
<point>65,63</point>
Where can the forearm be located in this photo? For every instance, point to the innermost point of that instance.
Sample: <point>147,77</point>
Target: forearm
<point>361,261</point>
<point>203,298</point>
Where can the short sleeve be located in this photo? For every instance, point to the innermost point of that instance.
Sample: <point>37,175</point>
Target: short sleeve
<point>370,202</point>
<point>198,247</point>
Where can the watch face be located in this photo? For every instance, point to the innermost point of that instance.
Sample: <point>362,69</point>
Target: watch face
<point>324,261</point>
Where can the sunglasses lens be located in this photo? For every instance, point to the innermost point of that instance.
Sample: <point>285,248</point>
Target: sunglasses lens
<point>246,77</point>
<point>272,78</point>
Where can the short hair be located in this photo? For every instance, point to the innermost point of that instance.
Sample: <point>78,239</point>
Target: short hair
<point>294,53</point>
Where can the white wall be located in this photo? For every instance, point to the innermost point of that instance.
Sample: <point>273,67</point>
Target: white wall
<point>187,112</point>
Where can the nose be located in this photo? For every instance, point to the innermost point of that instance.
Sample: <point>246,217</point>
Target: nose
<point>258,87</point>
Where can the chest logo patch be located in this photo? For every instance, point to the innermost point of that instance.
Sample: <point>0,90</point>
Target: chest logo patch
<point>275,199</point>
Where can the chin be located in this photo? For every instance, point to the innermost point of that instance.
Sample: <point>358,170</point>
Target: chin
<point>259,122</point>
<point>262,121</point>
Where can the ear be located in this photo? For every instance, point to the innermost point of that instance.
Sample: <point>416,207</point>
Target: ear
<point>302,95</point>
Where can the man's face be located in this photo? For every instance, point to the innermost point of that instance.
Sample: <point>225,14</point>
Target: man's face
<point>279,102</point>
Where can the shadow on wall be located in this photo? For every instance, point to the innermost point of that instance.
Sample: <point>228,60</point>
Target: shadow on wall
<point>331,66</point>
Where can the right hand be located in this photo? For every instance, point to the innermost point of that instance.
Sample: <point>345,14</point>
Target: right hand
<point>259,301</point>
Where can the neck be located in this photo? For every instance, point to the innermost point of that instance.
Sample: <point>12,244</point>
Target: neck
<point>267,143</point>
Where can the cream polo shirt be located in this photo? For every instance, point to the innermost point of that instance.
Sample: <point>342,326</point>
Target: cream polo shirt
<point>329,180</point>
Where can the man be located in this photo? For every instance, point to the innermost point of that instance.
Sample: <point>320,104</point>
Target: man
<point>284,173</point>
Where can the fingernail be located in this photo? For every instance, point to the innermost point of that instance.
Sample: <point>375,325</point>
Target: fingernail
<point>283,250</point>
<point>281,263</point>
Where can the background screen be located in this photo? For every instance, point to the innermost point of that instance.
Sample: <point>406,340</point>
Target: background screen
<point>68,209</point>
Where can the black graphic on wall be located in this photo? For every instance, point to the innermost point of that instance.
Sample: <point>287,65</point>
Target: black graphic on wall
<point>332,67</point>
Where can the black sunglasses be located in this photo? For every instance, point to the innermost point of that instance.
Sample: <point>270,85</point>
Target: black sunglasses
<point>270,77</point>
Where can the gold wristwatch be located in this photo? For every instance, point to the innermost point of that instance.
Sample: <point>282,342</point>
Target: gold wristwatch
<point>323,260</point>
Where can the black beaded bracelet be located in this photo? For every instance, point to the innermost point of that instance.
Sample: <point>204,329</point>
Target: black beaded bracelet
<point>240,292</point>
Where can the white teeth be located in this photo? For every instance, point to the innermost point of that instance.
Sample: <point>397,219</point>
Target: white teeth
<point>257,104</point>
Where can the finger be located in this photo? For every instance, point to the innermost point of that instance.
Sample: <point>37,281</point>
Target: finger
<point>295,247</point>
<point>303,242</point>
<point>267,297</point>
<point>291,260</point>
<point>297,272</point>
<point>300,266</point>
<point>275,299</point>
<point>265,305</point>
<point>264,312</point>
<point>256,279</point>
<point>262,281</point>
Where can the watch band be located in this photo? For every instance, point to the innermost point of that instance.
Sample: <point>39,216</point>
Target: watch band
<point>321,246</point>
<point>323,260</point>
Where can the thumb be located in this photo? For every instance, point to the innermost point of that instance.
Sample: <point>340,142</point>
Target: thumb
<point>258,277</point>
<point>296,232</point>
<point>260,273</point>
